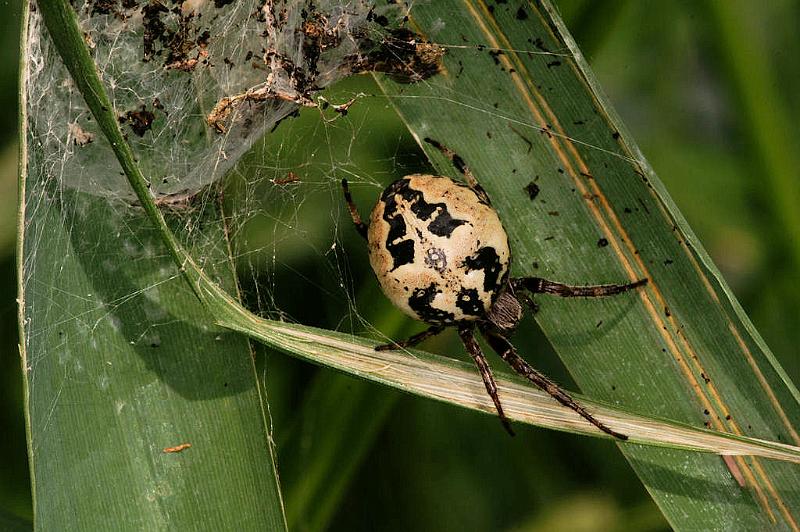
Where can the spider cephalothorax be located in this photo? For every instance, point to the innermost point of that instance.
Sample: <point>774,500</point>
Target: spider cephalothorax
<point>441,255</point>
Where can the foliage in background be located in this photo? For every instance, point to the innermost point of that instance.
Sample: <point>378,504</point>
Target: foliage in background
<point>464,480</point>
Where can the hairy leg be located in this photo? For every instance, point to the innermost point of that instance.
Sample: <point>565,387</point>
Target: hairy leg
<point>537,285</point>
<point>507,352</point>
<point>462,167</point>
<point>412,340</point>
<point>472,347</point>
<point>361,227</point>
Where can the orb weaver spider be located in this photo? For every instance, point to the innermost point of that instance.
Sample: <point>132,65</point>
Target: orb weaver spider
<point>441,255</point>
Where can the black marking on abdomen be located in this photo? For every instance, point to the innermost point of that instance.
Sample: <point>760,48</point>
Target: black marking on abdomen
<point>469,302</point>
<point>442,223</point>
<point>402,251</point>
<point>486,259</point>
<point>421,303</point>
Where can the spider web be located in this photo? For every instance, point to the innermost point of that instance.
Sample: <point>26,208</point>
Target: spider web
<point>223,103</point>
<point>195,86</point>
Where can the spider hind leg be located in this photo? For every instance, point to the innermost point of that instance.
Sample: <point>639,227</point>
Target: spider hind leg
<point>508,352</point>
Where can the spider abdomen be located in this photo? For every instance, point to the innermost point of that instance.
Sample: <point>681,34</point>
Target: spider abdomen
<point>439,251</point>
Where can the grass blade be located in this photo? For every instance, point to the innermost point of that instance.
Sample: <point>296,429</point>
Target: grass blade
<point>140,415</point>
<point>683,349</point>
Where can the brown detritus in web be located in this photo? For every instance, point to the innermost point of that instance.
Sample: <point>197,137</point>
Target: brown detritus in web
<point>177,202</point>
<point>290,177</point>
<point>341,108</point>
<point>103,7</point>
<point>140,121</point>
<point>398,52</point>
<point>218,116</point>
<point>79,136</point>
<point>173,35</point>
<point>401,54</point>
<point>319,36</point>
<point>120,10</point>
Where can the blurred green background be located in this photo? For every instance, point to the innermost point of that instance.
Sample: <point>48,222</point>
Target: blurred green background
<point>709,90</point>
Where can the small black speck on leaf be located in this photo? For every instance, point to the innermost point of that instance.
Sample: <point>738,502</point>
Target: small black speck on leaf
<point>522,14</point>
<point>555,63</point>
<point>539,43</point>
<point>615,135</point>
<point>533,190</point>
<point>603,242</point>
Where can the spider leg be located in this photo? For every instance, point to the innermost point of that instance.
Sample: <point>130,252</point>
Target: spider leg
<point>472,347</point>
<point>462,167</point>
<point>508,352</point>
<point>412,340</point>
<point>361,227</point>
<point>537,285</point>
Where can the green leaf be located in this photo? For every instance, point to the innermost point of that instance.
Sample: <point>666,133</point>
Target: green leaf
<point>141,414</point>
<point>605,330</point>
<point>517,101</point>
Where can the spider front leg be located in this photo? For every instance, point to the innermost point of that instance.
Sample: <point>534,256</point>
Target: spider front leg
<point>361,227</point>
<point>461,166</point>
<point>508,352</point>
<point>472,347</point>
<point>412,340</point>
<point>537,285</point>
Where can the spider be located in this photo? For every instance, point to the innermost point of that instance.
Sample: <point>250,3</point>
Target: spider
<point>441,255</point>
